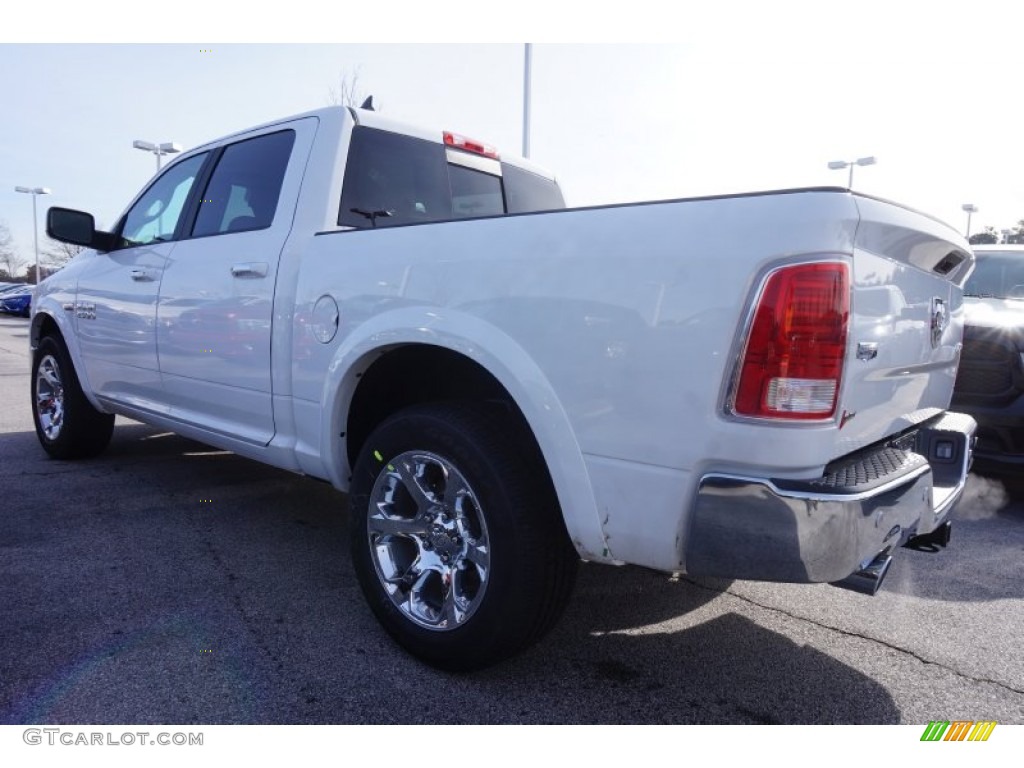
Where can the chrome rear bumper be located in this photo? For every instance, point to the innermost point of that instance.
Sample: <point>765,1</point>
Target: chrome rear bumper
<point>826,529</point>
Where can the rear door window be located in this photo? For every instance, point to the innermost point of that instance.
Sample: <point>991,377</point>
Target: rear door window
<point>245,186</point>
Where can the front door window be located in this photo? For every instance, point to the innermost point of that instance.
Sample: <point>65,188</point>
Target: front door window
<point>154,217</point>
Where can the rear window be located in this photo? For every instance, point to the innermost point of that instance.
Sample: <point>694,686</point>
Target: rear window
<point>526,191</point>
<point>998,275</point>
<point>393,179</point>
<point>475,193</point>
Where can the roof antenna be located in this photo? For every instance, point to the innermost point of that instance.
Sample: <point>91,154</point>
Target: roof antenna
<point>367,103</point>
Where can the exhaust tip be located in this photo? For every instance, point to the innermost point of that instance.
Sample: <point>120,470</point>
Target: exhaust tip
<point>868,580</point>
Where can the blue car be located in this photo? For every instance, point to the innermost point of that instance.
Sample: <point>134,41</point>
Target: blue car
<point>17,302</point>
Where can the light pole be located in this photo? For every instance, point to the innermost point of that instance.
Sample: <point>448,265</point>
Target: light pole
<point>527,68</point>
<point>167,148</point>
<point>838,165</point>
<point>35,192</point>
<point>970,208</point>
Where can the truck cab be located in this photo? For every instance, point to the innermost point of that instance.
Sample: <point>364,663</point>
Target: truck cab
<point>177,318</point>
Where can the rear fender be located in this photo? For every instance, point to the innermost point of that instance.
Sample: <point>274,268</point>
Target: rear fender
<point>507,362</point>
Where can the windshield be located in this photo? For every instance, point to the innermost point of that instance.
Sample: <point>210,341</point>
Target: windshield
<point>997,276</point>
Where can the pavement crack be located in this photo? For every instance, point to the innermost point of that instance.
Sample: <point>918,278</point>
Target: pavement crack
<point>234,593</point>
<point>49,473</point>
<point>850,633</point>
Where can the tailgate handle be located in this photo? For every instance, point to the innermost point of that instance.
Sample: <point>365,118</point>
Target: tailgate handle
<point>867,350</point>
<point>250,269</point>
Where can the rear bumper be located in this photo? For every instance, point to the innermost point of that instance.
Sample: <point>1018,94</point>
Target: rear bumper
<point>826,529</point>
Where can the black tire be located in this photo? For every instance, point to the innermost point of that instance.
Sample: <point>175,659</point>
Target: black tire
<point>67,425</point>
<point>438,492</point>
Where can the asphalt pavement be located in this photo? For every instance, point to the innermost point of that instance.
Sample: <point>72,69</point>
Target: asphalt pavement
<point>169,582</point>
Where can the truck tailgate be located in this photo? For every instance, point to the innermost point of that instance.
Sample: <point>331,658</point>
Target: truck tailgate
<point>906,322</point>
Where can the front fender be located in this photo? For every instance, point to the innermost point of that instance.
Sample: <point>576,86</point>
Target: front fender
<point>51,306</point>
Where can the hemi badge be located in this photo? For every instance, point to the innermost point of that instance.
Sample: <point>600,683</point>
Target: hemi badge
<point>69,307</point>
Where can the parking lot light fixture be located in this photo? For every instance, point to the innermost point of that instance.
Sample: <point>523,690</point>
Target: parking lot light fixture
<point>167,148</point>
<point>35,192</point>
<point>970,208</point>
<point>838,165</point>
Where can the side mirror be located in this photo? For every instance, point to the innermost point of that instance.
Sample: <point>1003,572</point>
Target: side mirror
<point>77,228</point>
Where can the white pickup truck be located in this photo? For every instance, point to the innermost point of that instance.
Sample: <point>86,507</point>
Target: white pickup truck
<point>748,386</point>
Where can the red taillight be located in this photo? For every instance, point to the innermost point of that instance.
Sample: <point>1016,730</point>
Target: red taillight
<point>793,360</point>
<point>470,145</point>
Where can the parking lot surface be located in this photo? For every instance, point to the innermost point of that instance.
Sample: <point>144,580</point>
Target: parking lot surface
<point>169,582</point>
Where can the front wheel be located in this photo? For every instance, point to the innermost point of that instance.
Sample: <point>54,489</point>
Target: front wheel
<point>66,423</point>
<point>457,539</point>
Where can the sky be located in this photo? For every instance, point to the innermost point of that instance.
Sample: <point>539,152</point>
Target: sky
<point>744,98</point>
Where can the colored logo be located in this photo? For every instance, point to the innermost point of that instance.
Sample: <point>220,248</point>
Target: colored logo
<point>958,730</point>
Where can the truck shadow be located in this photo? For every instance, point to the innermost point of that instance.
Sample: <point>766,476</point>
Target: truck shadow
<point>721,667</point>
<point>162,549</point>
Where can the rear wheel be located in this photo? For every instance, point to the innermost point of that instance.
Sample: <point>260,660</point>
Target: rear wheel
<point>457,541</point>
<point>66,423</point>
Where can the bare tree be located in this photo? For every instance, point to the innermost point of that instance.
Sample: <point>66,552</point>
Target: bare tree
<point>57,254</point>
<point>348,93</point>
<point>10,262</point>
<point>30,273</point>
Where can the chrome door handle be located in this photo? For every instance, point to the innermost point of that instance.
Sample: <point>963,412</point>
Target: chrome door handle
<point>250,269</point>
<point>142,275</point>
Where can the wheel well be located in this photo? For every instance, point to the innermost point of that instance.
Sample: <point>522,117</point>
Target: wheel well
<point>420,373</point>
<point>44,325</point>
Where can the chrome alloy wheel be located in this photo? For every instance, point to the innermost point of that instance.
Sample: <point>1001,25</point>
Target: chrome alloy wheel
<point>428,540</point>
<point>49,397</point>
